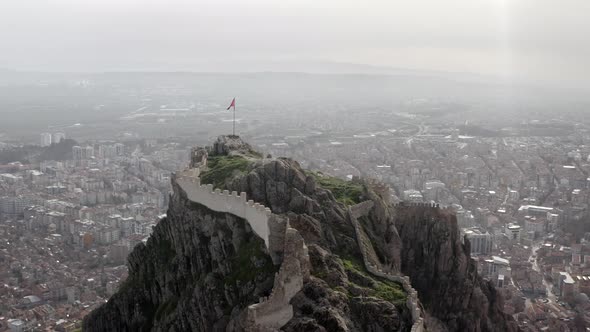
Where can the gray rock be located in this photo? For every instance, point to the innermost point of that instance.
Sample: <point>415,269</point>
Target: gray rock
<point>200,268</point>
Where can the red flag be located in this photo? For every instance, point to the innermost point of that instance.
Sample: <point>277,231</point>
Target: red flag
<point>233,104</point>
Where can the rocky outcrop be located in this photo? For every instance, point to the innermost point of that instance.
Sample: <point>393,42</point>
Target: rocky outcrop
<point>285,188</point>
<point>374,266</point>
<point>198,270</point>
<point>341,298</point>
<point>441,270</point>
<point>207,269</point>
<point>230,144</point>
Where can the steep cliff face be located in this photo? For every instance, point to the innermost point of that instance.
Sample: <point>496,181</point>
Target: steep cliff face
<point>439,266</point>
<point>201,269</point>
<point>197,271</point>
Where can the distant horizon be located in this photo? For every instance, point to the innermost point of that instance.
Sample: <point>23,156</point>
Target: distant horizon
<point>246,71</point>
<point>330,68</point>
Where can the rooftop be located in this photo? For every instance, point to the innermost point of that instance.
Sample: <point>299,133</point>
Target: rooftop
<point>500,260</point>
<point>567,277</point>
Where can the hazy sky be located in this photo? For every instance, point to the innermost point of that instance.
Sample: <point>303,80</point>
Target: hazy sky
<point>544,40</point>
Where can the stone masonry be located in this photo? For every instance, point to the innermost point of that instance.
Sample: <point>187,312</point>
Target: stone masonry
<point>284,244</point>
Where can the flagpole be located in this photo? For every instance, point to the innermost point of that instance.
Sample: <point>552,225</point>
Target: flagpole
<point>234,130</point>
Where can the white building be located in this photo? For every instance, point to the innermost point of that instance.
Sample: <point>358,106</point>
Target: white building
<point>128,226</point>
<point>108,235</point>
<point>534,210</point>
<point>89,152</point>
<point>107,151</point>
<point>433,189</point>
<point>513,232</point>
<point>78,152</point>
<point>45,139</point>
<point>16,325</point>
<point>498,266</point>
<point>566,285</point>
<point>513,195</point>
<point>82,153</point>
<point>480,240</point>
<point>11,178</point>
<point>552,220</point>
<point>534,225</point>
<point>11,205</point>
<point>413,196</point>
<point>120,148</point>
<point>58,137</point>
<point>465,218</point>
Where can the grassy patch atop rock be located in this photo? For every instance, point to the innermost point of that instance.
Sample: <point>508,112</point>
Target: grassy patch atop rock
<point>220,168</point>
<point>345,192</point>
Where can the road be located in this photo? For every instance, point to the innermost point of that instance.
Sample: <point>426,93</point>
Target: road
<point>550,296</point>
<point>421,130</point>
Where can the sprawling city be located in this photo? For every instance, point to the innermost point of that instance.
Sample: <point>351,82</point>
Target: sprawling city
<point>264,167</point>
<point>74,207</point>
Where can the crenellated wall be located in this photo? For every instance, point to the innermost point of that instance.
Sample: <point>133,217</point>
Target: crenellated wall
<point>285,245</point>
<point>412,302</point>
<point>223,201</point>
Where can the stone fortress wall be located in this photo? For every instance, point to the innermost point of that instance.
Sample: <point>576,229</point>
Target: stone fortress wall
<point>274,311</point>
<point>373,265</point>
<point>224,201</point>
<point>285,245</point>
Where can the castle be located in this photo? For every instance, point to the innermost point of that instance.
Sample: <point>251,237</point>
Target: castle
<point>285,246</point>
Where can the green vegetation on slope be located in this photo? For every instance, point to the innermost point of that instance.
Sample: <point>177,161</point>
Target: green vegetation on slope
<point>381,288</point>
<point>345,192</point>
<point>221,168</point>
